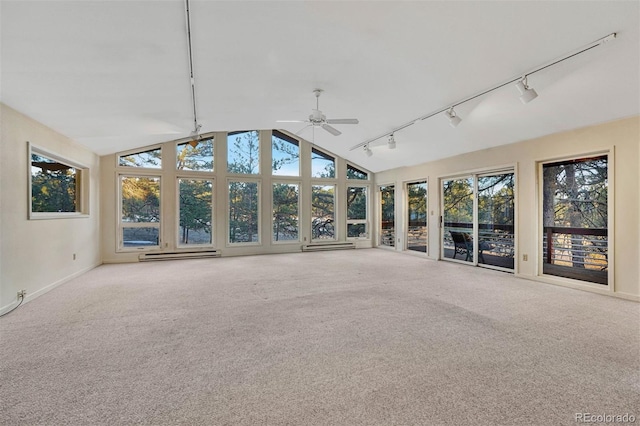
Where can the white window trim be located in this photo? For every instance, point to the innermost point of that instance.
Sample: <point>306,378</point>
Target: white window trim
<point>82,195</point>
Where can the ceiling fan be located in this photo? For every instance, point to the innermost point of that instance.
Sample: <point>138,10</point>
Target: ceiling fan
<point>318,119</point>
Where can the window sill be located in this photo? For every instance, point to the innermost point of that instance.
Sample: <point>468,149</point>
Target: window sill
<point>47,216</point>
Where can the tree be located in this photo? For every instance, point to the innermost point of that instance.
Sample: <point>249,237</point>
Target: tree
<point>53,190</point>
<point>322,212</point>
<point>284,153</point>
<point>285,211</point>
<point>195,208</point>
<point>244,153</point>
<point>195,155</point>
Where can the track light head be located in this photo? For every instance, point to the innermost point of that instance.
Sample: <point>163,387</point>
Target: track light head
<point>454,120</point>
<point>392,142</point>
<point>527,94</point>
<point>368,151</point>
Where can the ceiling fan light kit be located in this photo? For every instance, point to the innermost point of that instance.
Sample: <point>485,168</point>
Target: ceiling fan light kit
<point>527,94</point>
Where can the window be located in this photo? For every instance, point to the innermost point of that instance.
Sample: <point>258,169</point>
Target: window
<point>286,212</point>
<point>195,155</point>
<point>140,211</point>
<point>357,212</point>
<point>56,186</point>
<point>355,173</point>
<point>387,216</point>
<point>322,165</point>
<point>151,159</point>
<point>575,219</point>
<point>322,212</point>
<point>195,211</point>
<point>244,210</point>
<point>243,152</point>
<point>285,155</point>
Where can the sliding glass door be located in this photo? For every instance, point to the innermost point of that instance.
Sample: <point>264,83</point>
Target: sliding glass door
<point>479,229</point>
<point>457,218</point>
<point>417,216</point>
<point>496,218</point>
<point>387,216</point>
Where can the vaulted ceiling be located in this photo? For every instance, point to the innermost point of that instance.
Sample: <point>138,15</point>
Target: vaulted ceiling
<point>114,75</point>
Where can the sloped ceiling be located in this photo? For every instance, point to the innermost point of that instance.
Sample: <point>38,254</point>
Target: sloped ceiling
<point>114,75</point>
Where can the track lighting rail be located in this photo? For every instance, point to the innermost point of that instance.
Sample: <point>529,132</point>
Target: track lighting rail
<point>521,79</point>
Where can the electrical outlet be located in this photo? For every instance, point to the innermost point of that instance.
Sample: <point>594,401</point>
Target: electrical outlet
<point>22,293</point>
<point>525,257</point>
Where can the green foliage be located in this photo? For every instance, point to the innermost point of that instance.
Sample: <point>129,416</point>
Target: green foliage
<point>53,190</point>
<point>579,192</point>
<point>285,211</point>
<point>195,209</point>
<point>387,194</point>
<point>322,212</point>
<point>284,153</point>
<point>356,203</point>
<point>243,212</point>
<point>496,199</point>
<point>417,203</point>
<point>149,159</point>
<point>458,200</point>
<point>355,173</point>
<point>140,199</point>
<point>322,165</point>
<point>243,153</point>
<point>195,155</point>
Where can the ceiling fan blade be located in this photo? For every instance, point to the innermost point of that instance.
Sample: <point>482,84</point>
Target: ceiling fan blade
<point>291,121</point>
<point>302,130</point>
<point>343,121</point>
<point>332,130</point>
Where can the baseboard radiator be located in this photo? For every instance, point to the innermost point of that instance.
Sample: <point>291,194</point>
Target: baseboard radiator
<point>328,246</point>
<point>174,255</point>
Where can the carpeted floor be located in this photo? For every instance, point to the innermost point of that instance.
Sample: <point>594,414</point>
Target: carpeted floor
<point>359,337</point>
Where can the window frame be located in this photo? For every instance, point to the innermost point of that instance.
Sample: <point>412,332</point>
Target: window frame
<point>83,175</point>
<point>120,248</point>
<point>213,210</point>
<point>287,182</point>
<point>335,201</point>
<point>359,169</point>
<point>325,154</point>
<point>280,135</point>
<point>237,175</point>
<point>244,179</point>
<point>365,221</point>
<point>138,151</point>
<point>571,282</point>
<point>208,136</point>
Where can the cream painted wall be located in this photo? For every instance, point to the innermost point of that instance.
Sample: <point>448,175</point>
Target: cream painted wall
<point>622,137</point>
<point>37,255</point>
<point>169,210</point>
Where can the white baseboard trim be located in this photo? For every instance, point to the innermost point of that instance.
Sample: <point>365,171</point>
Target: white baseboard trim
<point>46,289</point>
<point>591,288</point>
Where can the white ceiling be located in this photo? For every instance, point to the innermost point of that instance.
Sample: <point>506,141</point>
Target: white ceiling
<point>113,75</point>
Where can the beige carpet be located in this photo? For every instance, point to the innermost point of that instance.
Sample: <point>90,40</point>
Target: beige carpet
<point>366,337</point>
